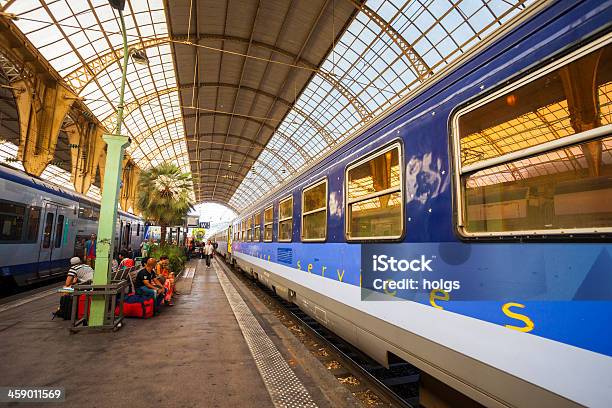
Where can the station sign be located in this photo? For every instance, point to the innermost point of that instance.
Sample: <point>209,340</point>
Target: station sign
<point>192,220</point>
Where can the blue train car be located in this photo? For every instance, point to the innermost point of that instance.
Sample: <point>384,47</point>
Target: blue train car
<point>468,230</point>
<point>43,225</point>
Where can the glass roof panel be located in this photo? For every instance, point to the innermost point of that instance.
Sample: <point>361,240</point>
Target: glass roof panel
<point>367,72</point>
<point>72,35</point>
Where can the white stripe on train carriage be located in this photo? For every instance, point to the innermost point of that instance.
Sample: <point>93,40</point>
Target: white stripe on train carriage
<point>495,345</point>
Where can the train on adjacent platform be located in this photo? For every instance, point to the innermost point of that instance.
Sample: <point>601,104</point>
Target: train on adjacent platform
<point>43,225</point>
<point>491,187</point>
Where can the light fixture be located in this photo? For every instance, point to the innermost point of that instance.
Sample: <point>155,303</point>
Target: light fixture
<point>117,4</point>
<point>139,56</point>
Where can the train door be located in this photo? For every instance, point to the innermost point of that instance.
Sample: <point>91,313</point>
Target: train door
<point>54,245</point>
<point>127,235</point>
<point>119,237</point>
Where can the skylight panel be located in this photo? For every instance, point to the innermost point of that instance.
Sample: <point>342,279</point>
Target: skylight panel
<point>92,31</point>
<point>368,64</point>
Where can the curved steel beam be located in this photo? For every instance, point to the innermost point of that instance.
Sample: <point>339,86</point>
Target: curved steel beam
<point>214,134</point>
<point>418,63</point>
<point>263,123</point>
<point>83,75</point>
<point>228,170</point>
<point>151,130</point>
<point>227,185</point>
<point>234,86</point>
<point>246,139</point>
<point>232,151</point>
<point>235,186</point>
<point>346,92</point>
<point>320,128</point>
<point>12,69</point>
<point>363,111</point>
<point>80,77</point>
<point>131,106</point>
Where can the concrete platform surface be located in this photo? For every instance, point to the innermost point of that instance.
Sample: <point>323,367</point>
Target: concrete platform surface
<point>192,355</point>
<point>203,352</point>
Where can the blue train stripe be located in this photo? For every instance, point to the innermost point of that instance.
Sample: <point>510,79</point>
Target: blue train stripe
<point>34,267</point>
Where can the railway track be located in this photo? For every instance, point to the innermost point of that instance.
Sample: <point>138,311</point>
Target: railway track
<point>396,386</point>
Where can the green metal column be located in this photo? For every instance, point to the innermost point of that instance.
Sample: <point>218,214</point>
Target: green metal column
<point>107,223</point>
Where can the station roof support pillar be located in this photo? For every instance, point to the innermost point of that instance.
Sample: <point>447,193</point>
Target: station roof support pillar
<point>42,107</point>
<point>86,147</point>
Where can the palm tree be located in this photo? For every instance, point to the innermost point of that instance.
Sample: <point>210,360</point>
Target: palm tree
<point>164,196</point>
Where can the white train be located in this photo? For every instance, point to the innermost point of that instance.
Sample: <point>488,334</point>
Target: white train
<point>43,225</point>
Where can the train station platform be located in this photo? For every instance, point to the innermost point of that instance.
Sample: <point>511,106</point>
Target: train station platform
<point>217,347</point>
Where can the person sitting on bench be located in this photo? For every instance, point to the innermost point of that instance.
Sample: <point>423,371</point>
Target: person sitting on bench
<point>124,260</point>
<point>166,277</point>
<point>145,283</point>
<point>78,273</point>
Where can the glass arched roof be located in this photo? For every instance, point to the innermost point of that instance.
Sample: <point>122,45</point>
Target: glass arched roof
<point>82,40</point>
<point>386,52</point>
<point>376,71</point>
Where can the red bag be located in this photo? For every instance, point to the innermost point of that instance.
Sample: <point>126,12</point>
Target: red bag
<point>81,306</point>
<point>149,308</point>
<point>132,309</point>
<point>143,309</point>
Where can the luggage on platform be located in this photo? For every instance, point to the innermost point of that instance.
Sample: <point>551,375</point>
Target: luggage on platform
<point>137,306</point>
<point>65,308</point>
<point>81,306</point>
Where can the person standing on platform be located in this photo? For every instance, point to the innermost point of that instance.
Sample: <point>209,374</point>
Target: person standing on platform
<point>147,247</point>
<point>90,251</point>
<point>208,252</point>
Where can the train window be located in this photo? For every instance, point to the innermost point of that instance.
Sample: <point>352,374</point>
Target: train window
<point>84,211</point>
<point>250,229</point>
<point>285,220</point>
<point>268,224</point>
<point>33,224</point>
<point>47,231</point>
<point>243,235</point>
<point>59,231</point>
<point>138,229</point>
<point>374,196</point>
<point>12,216</point>
<point>536,157</point>
<point>314,212</point>
<point>258,226</point>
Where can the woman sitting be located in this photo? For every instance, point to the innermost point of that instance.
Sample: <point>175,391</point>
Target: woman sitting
<point>163,269</point>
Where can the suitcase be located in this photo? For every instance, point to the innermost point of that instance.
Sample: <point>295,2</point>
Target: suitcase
<point>137,306</point>
<point>64,310</point>
<point>81,306</point>
<point>149,308</point>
